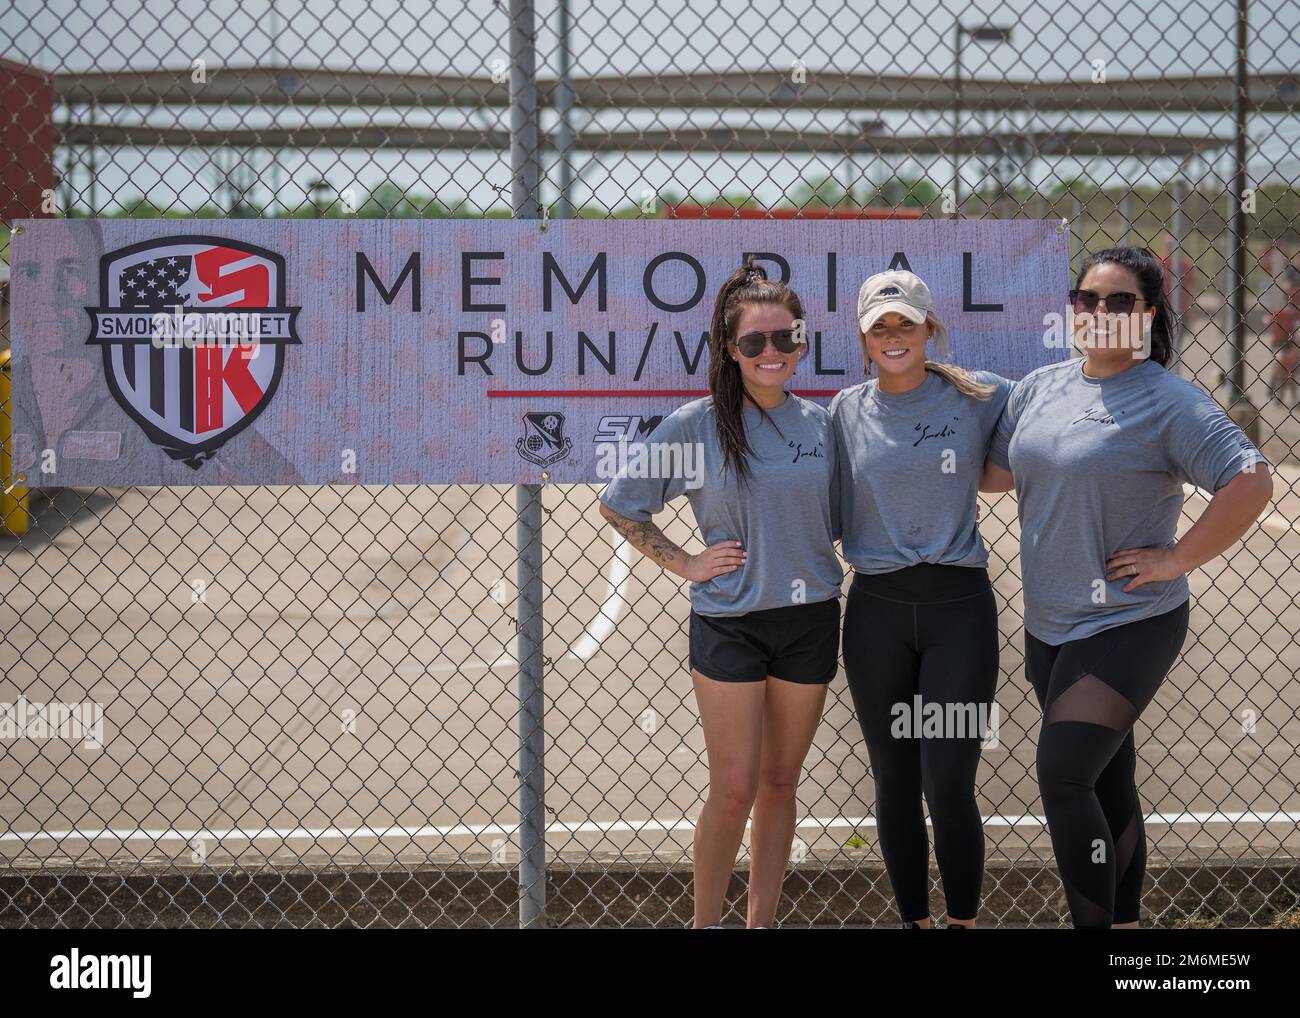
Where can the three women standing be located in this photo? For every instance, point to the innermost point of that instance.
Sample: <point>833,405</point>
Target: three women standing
<point>1097,449</point>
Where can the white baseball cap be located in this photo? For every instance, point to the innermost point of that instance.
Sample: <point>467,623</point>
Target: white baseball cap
<point>903,293</point>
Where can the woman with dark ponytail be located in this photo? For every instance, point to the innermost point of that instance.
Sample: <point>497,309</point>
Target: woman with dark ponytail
<point>1098,449</point>
<point>765,612</point>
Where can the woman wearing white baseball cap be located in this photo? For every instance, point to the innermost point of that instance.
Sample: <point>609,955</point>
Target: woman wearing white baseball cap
<point>920,620</point>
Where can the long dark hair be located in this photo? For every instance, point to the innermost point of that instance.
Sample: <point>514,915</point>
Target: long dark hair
<point>747,285</point>
<point>1151,281</point>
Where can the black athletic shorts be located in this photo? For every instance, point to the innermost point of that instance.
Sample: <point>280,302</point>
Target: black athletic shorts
<point>798,643</point>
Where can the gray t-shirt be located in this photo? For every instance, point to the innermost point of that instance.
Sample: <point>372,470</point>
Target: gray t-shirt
<point>910,466</point>
<point>786,518</point>
<point>1099,465</point>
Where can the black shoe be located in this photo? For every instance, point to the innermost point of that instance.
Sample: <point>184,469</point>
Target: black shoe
<point>914,925</point>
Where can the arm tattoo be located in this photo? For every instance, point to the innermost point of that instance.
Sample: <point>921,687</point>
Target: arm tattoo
<point>647,539</point>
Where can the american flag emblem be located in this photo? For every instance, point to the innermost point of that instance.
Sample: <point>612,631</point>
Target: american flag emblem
<point>157,283</point>
<point>193,332</point>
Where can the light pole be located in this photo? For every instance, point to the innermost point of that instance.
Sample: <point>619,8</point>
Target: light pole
<point>984,33</point>
<point>278,71</point>
<point>563,110</point>
<point>865,129</point>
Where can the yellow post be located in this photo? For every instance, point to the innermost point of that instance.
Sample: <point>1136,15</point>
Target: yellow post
<point>14,517</point>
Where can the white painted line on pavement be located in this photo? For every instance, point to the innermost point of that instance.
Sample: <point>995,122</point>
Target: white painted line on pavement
<point>606,620</point>
<point>561,827</point>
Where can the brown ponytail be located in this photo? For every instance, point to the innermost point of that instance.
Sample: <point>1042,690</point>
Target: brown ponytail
<point>747,285</point>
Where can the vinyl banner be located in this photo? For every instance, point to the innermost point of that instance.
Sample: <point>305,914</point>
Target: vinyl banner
<point>161,352</point>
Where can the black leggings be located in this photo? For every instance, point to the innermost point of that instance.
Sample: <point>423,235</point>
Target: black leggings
<point>932,631</point>
<point>1092,692</point>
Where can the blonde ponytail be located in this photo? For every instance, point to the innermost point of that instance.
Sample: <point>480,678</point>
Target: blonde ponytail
<point>961,380</point>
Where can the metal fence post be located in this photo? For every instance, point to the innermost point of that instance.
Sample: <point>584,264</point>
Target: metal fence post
<point>1077,210</point>
<point>525,204</point>
<point>1242,410</point>
<point>1177,254</point>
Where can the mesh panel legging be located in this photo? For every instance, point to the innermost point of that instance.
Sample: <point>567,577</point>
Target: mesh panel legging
<point>929,631</point>
<point>1092,692</point>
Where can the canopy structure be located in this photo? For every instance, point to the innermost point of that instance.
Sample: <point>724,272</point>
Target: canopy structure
<point>271,86</point>
<point>117,109</point>
<point>1021,144</point>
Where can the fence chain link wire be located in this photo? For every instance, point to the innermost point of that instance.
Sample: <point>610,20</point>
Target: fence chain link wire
<point>308,692</point>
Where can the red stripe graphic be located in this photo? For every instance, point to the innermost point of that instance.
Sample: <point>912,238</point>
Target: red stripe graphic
<point>506,393</point>
<point>212,378</point>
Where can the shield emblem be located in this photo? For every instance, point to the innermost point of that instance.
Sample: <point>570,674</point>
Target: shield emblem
<point>193,332</point>
<point>543,441</point>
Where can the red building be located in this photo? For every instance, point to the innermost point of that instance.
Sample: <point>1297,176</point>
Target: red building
<point>26,140</point>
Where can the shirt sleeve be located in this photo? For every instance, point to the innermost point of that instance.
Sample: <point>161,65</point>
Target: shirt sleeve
<point>637,497</point>
<point>840,475</point>
<point>1012,400</point>
<point>1204,445</point>
<point>995,404</point>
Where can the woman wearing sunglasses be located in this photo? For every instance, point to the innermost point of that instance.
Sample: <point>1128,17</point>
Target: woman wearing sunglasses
<point>765,613</point>
<point>1100,447</point>
<point>920,621</point>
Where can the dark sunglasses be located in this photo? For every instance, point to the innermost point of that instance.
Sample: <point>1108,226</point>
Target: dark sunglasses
<point>1086,301</point>
<point>751,344</point>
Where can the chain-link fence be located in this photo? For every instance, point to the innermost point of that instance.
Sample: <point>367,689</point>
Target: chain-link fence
<point>309,695</point>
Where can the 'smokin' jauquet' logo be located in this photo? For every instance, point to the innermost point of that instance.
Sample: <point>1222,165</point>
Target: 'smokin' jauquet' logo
<point>192,397</point>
